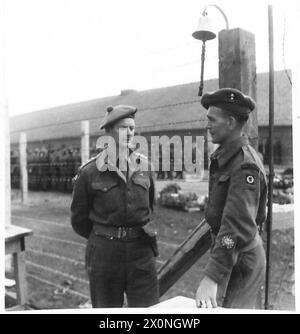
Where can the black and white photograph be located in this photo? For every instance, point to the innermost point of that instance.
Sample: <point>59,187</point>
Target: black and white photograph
<point>147,156</point>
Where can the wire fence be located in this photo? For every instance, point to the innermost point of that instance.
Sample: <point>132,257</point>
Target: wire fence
<point>54,170</point>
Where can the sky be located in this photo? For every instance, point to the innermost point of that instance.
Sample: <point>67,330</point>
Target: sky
<point>58,52</point>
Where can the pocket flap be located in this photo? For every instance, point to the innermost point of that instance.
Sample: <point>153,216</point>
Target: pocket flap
<point>103,185</point>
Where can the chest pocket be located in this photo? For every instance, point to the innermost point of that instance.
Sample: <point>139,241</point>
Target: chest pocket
<point>216,203</point>
<point>143,182</point>
<point>220,191</point>
<point>103,186</point>
<point>222,185</point>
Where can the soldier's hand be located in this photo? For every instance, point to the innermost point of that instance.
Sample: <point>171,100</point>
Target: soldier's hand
<point>151,228</point>
<point>206,295</point>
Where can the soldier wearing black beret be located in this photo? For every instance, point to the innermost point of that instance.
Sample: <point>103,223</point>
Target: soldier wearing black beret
<point>112,207</point>
<point>236,208</point>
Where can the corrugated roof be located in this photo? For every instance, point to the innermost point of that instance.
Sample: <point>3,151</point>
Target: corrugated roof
<point>176,107</point>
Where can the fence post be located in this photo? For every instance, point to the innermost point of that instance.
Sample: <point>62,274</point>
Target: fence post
<point>237,69</point>
<point>23,167</point>
<point>85,141</point>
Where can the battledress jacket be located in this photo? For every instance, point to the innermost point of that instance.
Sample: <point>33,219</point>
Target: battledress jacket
<point>103,195</point>
<point>236,206</point>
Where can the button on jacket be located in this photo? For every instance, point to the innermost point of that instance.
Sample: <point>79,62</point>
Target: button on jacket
<point>112,197</point>
<point>236,205</point>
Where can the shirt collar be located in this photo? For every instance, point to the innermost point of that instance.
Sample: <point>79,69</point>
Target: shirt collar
<point>106,161</point>
<point>224,153</point>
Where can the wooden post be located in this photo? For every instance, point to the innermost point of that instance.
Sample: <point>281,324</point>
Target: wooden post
<point>23,167</point>
<point>85,141</point>
<point>237,69</point>
<point>20,274</point>
<point>192,248</point>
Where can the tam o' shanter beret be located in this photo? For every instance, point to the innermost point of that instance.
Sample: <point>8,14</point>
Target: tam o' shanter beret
<point>229,99</point>
<point>114,114</point>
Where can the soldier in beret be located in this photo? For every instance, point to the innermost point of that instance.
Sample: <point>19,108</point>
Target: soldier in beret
<point>112,207</point>
<point>236,208</point>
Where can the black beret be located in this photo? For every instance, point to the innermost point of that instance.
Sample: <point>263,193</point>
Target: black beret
<point>114,114</point>
<point>229,99</point>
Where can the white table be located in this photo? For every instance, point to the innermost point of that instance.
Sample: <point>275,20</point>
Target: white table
<point>15,244</point>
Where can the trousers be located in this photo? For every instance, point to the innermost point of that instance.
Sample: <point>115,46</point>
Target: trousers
<point>241,289</point>
<point>116,267</point>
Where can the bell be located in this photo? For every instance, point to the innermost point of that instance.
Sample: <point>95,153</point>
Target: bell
<point>205,31</point>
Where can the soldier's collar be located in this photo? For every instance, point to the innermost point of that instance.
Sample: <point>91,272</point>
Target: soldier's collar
<point>138,162</point>
<point>225,153</point>
<point>105,160</point>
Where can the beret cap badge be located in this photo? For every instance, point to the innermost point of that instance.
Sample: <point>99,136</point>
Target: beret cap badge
<point>230,99</point>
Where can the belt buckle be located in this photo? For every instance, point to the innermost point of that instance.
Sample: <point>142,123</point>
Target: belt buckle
<point>121,232</point>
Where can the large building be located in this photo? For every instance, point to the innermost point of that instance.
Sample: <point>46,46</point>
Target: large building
<point>167,111</point>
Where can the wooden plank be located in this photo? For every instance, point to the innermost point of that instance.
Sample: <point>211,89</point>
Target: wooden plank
<point>192,248</point>
<point>13,232</point>
<point>14,246</point>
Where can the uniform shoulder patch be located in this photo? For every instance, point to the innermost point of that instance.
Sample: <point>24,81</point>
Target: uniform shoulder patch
<point>250,170</point>
<point>250,179</point>
<point>227,242</point>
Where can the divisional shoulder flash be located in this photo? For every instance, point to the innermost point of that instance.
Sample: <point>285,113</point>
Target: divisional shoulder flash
<point>250,179</point>
<point>227,242</point>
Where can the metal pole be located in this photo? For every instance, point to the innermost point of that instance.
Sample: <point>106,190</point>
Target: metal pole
<point>271,167</point>
<point>202,69</point>
<point>221,11</point>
